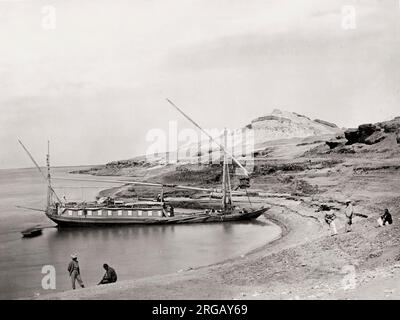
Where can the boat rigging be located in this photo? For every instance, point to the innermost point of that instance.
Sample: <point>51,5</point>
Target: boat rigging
<point>110,212</point>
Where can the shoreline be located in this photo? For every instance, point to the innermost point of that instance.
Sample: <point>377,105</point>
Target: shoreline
<point>116,291</point>
<point>305,262</point>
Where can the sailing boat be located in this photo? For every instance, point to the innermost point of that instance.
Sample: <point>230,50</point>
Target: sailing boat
<point>109,212</point>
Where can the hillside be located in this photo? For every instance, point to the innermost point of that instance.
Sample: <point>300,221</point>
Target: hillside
<point>278,135</point>
<point>285,125</point>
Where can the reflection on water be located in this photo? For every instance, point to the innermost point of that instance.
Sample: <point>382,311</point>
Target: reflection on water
<point>134,251</point>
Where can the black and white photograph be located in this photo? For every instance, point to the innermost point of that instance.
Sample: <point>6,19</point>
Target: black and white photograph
<point>199,150</point>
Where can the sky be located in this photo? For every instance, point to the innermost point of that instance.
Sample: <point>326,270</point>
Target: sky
<point>92,76</point>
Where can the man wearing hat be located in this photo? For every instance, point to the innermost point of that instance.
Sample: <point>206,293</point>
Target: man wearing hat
<point>329,218</point>
<point>74,272</point>
<point>349,215</point>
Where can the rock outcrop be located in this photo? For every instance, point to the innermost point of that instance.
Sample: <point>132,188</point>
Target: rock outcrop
<point>392,126</point>
<point>361,134</point>
<point>374,133</point>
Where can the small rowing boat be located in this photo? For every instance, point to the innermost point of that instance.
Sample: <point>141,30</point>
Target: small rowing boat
<point>31,232</point>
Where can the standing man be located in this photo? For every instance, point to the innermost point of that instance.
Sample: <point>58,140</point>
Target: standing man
<point>330,219</point>
<point>110,276</point>
<point>349,215</point>
<point>74,272</point>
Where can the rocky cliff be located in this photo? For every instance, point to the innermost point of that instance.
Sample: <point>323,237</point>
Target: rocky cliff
<point>374,133</point>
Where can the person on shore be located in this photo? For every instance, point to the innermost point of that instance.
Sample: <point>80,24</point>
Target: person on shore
<point>330,220</point>
<point>74,271</point>
<point>385,219</point>
<point>110,276</point>
<point>349,212</point>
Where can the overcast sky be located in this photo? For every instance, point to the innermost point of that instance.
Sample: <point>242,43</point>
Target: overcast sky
<point>97,83</point>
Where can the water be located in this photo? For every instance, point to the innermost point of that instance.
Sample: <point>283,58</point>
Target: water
<point>134,251</point>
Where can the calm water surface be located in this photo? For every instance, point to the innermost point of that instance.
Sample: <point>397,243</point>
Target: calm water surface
<point>134,251</point>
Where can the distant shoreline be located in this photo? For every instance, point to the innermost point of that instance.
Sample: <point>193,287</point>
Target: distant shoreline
<point>55,167</point>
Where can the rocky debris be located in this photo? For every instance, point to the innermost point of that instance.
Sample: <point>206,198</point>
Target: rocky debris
<point>308,143</point>
<point>208,174</point>
<point>391,126</point>
<point>352,136</point>
<point>387,145</point>
<point>324,207</point>
<point>270,117</point>
<point>262,153</point>
<point>374,133</point>
<point>361,134</point>
<point>378,168</point>
<point>334,143</point>
<point>375,254</point>
<point>299,166</point>
<point>127,163</point>
<point>350,149</point>
<point>376,137</point>
<point>302,187</point>
<point>86,171</point>
<point>297,187</point>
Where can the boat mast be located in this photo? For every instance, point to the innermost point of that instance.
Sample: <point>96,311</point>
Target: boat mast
<point>49,188</point>
<point>40,170</point>
<point>226,182</point>
<point>224,177</point>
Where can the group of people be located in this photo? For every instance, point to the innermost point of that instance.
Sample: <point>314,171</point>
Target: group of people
<point>330,217</point>
<point>110,275</point>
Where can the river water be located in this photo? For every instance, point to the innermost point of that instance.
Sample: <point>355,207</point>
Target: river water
<point>134,251</point>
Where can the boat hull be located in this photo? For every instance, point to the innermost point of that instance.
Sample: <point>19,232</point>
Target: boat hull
<point>66,221</point>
